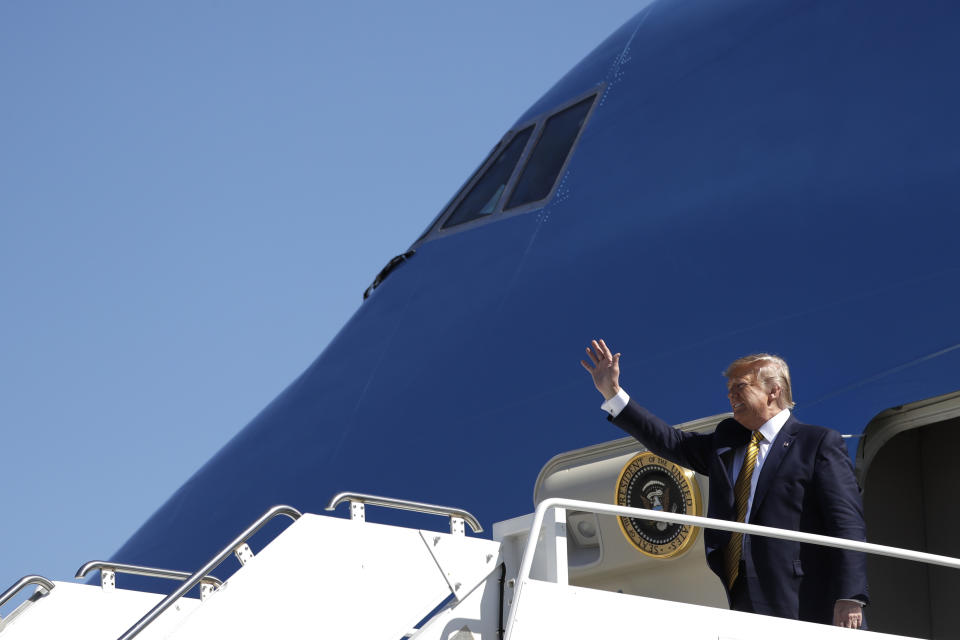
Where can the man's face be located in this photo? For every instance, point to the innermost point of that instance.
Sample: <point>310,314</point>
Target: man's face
<point>751,403</point>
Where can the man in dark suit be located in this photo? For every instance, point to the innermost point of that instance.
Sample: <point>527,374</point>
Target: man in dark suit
<point>765,468</point>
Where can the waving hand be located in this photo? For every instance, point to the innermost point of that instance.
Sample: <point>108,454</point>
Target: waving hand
<point>605,369</point>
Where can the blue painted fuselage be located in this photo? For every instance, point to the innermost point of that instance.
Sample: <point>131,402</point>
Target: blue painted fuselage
<point>756,175</point>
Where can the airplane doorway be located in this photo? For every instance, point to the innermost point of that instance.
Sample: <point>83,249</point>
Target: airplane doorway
<point>906,468</point>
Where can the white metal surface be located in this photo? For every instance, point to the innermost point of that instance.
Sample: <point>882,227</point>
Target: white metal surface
<point>244,553</point>
<point>550,559</point>
<point>336,578</point>
<point>108,579</point>
<point>81,612</point>
<point>462,569</point>
<point>206,590</point>
<point>478,614</point>
<point>358,511</point>
<point>560,612</point>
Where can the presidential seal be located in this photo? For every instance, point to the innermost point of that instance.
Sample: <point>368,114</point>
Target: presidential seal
<point>651,482</point>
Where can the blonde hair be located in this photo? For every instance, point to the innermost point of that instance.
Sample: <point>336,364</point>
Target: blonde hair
<point>770,370</point>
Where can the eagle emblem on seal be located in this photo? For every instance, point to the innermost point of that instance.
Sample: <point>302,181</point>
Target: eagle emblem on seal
<point>649,481</point>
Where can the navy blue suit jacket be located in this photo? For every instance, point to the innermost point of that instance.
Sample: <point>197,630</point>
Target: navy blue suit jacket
<point>806,483</point>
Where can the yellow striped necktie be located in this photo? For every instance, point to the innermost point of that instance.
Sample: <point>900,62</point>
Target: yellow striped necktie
<point>741,493</point>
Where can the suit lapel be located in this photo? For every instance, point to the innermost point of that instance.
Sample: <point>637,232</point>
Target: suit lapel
<point>726,461</point>
<point>779,449</point>
<point>731,435</point>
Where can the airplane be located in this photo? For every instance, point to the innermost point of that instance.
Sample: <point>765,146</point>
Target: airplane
<point>714,179</point>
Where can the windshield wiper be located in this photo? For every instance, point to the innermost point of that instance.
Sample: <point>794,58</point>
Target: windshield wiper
<point>393,264</point>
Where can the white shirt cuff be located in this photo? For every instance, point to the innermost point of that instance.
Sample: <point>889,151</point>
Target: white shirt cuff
<point>859,602</point>
<point>615,405</point>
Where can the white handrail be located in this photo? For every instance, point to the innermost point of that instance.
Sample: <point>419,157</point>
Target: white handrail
<point>149,572</point>
<point>43,585</point>
<point>724,525</point>
<point>406,505</point>
<point>204,571</point>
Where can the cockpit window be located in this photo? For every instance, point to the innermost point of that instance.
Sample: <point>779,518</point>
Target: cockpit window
<point>549,155</point>
<point>520,173</point>
<point>485,195</point>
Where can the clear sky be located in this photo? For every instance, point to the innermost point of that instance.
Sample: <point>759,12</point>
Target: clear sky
<point>193,197</point>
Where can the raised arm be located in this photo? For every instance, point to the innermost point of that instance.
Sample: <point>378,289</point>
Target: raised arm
<point>686,449</point>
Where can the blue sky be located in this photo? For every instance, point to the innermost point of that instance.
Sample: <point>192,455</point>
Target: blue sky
<point>193,197</point>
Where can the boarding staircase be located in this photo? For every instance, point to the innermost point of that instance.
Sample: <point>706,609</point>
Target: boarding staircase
<point>331,577</point>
